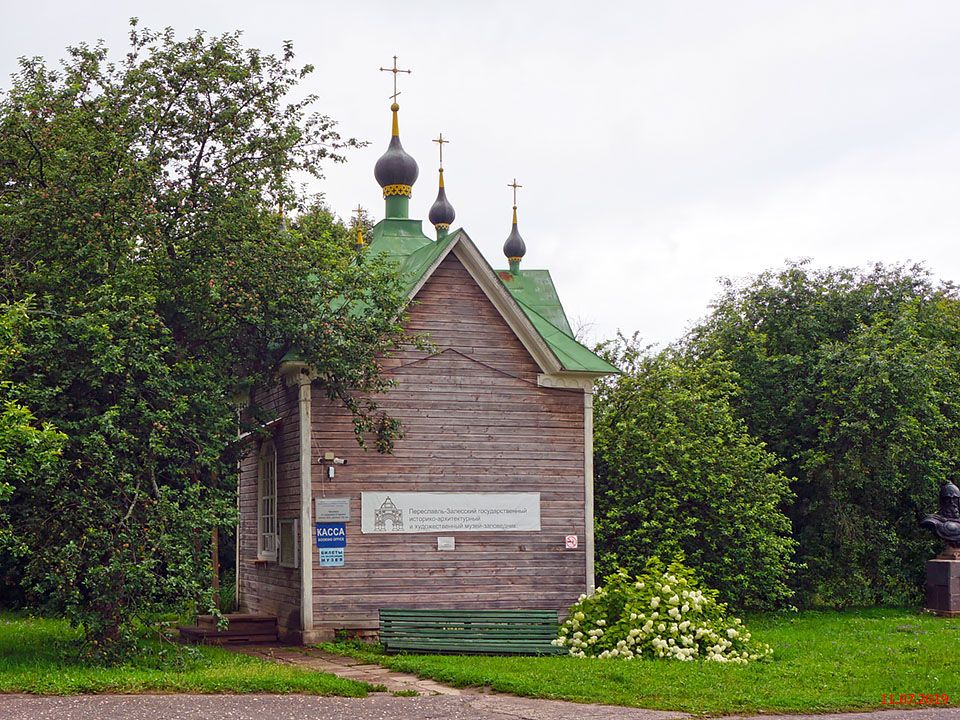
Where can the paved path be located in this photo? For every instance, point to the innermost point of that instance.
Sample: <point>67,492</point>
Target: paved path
<point>351,668</point>
<point>376,707</point>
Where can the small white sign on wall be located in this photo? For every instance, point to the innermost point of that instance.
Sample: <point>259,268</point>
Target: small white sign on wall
<point>332,510</point>
<point>417,512</point>
<point>446,543</point>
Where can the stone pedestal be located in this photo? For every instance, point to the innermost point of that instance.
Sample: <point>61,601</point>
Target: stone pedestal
<point>943,586</point>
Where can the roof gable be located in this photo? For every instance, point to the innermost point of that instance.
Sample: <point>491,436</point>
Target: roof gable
<point>528,302</point>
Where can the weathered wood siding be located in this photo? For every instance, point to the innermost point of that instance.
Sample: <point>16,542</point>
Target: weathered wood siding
<point>474,420</point>
<point>265,586</point>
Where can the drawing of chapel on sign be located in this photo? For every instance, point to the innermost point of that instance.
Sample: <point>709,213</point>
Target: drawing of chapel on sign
<point>388,511</point>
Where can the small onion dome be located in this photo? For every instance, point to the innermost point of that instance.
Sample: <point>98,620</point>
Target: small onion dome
<point>514,248</point>
<point>395,171</point>
<point>441,212</point>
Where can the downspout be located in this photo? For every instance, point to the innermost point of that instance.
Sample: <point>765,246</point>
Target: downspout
<point>236,543</point>
<point>241,399</point>
<point>588,486</point>
<point>306,495</point>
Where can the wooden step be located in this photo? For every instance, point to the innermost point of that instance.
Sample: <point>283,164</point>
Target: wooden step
<point>252,620</point>
<point>241,628</point>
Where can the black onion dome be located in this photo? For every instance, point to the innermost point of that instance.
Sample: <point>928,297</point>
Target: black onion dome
<point>395,167</point>
<point>442,212</point>
<point>514,247</point>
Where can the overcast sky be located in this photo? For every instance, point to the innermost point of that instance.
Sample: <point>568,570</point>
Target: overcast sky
<point>660,145</point>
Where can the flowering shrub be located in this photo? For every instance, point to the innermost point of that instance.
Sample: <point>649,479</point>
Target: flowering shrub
<point>660,614</point>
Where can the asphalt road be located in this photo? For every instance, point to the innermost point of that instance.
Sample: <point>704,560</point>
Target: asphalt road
<point>377,707</point>
<point>308,707</point>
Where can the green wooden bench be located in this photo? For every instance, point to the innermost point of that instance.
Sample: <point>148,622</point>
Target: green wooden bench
<point>493,632</point>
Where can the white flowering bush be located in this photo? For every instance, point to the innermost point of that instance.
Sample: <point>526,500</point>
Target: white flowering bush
<point>662,613</point>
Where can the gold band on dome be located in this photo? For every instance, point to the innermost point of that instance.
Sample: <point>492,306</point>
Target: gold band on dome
<point>514,259</point>
<point>442,226</point>
<point>406,190</point>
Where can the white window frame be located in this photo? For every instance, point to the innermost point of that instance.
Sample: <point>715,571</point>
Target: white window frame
<point>267,535</point>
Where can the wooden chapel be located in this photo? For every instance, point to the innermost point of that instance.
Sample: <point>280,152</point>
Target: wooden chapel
<point>486,501</point>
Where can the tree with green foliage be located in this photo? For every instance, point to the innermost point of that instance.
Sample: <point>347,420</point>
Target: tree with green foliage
<point>679,476</point>
<point>141,207</point>
<point>853,378</point>
<point>29,450</point>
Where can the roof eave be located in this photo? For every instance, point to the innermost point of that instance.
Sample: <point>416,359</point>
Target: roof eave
<point>570,380</point>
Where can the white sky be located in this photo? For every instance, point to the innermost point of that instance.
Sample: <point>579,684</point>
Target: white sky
<point>661,145</point>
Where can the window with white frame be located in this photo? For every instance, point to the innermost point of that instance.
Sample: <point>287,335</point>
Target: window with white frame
<point>267,502</point>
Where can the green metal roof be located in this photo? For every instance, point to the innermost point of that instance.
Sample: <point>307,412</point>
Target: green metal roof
<point>398,238</point>
<point>572,355</point>
<point>402,240</point>
<point>535,289</point>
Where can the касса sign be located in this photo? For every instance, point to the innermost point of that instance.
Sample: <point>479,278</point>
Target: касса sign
<point>415,512</point>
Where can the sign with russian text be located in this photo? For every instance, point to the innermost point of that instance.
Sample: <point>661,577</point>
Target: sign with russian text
<point>331,510</point>
<point>331,557</point>
<point>417,512</point>
<point>331,535</point>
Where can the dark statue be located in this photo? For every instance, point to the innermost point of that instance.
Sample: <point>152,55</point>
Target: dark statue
<point>943,572</point>
<point>946,523</point>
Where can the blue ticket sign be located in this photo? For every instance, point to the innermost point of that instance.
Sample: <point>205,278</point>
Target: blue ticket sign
<point>331,541</point>
<point>331,535</point>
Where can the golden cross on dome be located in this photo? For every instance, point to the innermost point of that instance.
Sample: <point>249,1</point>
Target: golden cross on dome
<point>514,185</point>
<point>441,142</point>
<point>359,212</point>
<point>395,70</point>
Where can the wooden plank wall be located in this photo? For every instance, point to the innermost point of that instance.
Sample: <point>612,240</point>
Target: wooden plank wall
<point>474,421</point>
<point>267,587</point>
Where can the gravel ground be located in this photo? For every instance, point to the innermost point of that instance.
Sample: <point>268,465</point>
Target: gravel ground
<point>376,707</point>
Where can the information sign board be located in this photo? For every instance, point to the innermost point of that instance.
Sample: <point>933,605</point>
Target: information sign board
<point>331,510</point>
<point>417,512</point>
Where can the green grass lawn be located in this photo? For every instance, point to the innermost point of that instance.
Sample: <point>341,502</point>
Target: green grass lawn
<point>823,661</point>
<point>36,657</point>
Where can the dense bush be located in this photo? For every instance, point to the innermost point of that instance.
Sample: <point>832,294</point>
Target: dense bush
<point>662,613</point>
<point>678,475</point>
<point>853,378</point>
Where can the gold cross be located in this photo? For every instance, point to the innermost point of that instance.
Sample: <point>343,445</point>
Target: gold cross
<point>440,141</point>
<point>514,186</point>
<point>395,70</point>
<point>359,212</point>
